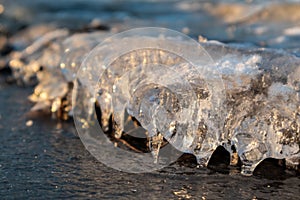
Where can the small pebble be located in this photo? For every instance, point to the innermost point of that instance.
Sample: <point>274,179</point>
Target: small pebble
<point>29,123</point>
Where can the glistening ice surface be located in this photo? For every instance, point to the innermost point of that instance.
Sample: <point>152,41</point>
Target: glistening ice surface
<point>239,101</point>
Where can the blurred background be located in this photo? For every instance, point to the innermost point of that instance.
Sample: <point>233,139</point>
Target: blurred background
<point>264,23</point>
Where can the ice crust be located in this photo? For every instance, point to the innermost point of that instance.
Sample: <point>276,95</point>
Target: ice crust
<point>256,109</point>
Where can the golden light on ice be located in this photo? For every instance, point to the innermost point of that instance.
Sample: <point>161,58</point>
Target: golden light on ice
<point>62,65</point>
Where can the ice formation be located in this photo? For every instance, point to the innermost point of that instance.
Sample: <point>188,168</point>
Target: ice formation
<point>240,101</point>
<point>247,100</point>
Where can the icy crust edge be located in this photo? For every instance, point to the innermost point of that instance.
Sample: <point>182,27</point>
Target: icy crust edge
<point>264,113</point>
<point>268,95</point>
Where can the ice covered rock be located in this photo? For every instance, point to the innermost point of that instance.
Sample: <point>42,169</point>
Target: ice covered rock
<point>247,99</point>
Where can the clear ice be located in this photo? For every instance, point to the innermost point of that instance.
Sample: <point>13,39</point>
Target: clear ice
<point>227,96</point>
<point>246,100</point>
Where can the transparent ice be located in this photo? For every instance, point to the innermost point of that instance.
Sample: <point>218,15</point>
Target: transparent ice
<point>239,100</point>
<point>197,100</point>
